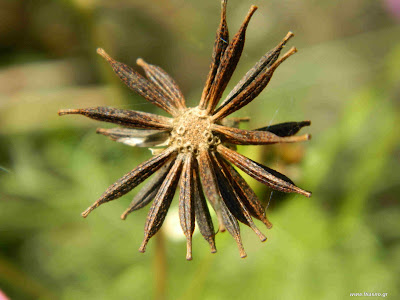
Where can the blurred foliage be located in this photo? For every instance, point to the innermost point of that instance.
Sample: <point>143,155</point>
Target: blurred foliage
<point>345,79</point>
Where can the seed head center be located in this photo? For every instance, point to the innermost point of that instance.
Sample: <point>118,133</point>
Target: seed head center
<point>192,131</point>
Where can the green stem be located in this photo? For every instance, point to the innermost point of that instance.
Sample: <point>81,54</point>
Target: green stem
<point>160,267</point>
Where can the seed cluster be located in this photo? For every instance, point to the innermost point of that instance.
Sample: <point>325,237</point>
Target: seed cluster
<point>192,132</point>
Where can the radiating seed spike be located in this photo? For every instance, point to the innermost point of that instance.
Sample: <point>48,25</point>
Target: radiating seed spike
<point>220,45</point>
<point>253,204</point>
<point>203,217</point>
<point>132,179</point>
<point>261,66</point>
<point>228,63</point>
<point>209,184</point>
<point>186,201</point>
<point>147,193</point>
<point>252,90</point>
<point>261,173</point>
<point>253,137</point>
<point>233,201</point>
<point>233,228</point>
<point>161,203</point>
<point>139,84</point>
<point>123,117</point>
<point>165,82</point>
<point>285,129</point>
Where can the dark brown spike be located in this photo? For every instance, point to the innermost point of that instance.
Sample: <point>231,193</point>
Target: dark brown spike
<point>252,90</point>
<point>123,117</point>
<point>272,178</point>
<point>135,137</point>
<point>209,184</point>
<point>249,198</point>
<point>228,63</point>
<point>233,201</point>
<point>132,179</point>
<point>203,217</point>
<point>252,137</point>
<point>232,226</point>
<point>265,62</point>
<point>139,84</point>
<point>161,203</point>
<point>149,191</point>
<point>165,83</point>
<point>220,44</point>
<point>186,202</point>
<point>285,129</point>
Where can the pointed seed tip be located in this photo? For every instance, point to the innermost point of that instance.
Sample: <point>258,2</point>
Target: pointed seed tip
<point>142,248</point>
<point>63,112</point>
<point>253,7</point>
<point>140,61</point>
<point>101,51</point>
<point>104,54</point>
<point>242,253</point>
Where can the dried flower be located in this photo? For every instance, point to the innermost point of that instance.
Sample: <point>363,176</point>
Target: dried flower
<point>197,144</point>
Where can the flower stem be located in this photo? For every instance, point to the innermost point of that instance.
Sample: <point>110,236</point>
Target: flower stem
<point>160,267</point>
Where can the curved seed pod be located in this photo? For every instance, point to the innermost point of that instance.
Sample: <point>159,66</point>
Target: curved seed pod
<point>263,64</point>
<point>164,82</point>
<point>228,63</point>
<point>272,178</point>
<point>149,191</point>
<point>161,203</point>
<point>209,184</point>
<point>249,198</point>
<point>253,137</point>
<point>123,117</point>
<point>232,226</point>
<point>140,85</point>
<point>220,44</point>
<point>186,202</point>
<point>252,90</point>
<point>132,179</point>
<point>285,129</point>
<point>203,217</point>
<point>233,201</point>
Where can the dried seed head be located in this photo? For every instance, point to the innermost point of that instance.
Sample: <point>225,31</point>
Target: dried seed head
<point>200,143</point>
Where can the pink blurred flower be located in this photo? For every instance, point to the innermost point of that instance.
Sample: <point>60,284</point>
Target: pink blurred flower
<point>393,6</point>
<point>3,296</point>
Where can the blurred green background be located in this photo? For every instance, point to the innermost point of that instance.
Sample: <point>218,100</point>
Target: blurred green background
<point>345,78</point>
